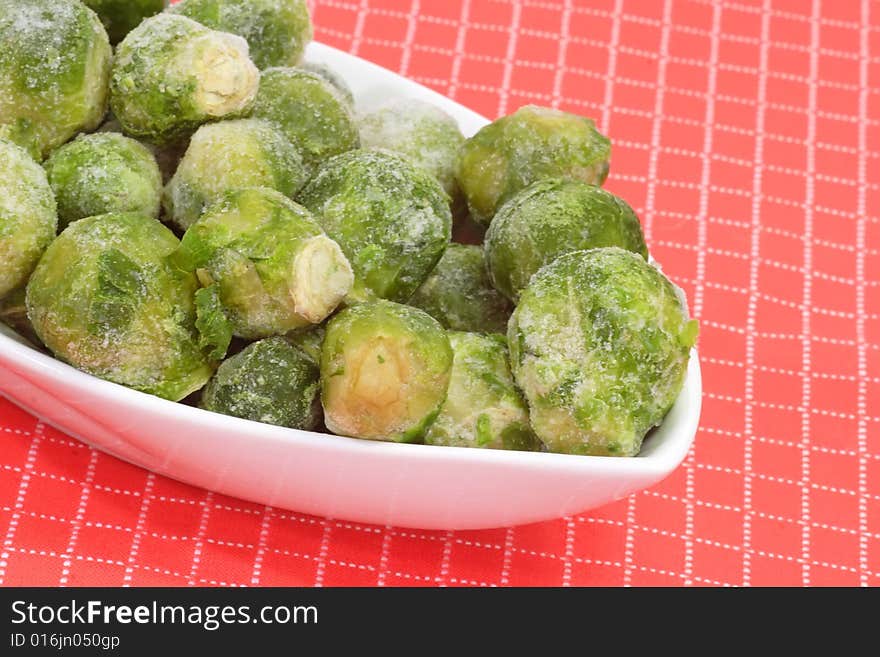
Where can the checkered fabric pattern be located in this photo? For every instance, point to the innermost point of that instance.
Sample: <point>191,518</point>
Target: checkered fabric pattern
<point>747,136</point>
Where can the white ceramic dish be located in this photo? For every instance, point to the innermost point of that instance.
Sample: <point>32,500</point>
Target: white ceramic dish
<point>384,483</point>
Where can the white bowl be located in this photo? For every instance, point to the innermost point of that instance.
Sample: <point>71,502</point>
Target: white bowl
<point>372,482</point>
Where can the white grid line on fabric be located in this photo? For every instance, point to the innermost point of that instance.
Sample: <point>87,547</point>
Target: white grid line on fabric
<point>699,287</point>
<point>384,555</point>
<point>818,310</point>
<point>751,317</point>
<point>146,498</point>
<point>603,13</point>
<point>653,158</point>
<point>737,509</point>
<point>77,524</point>
<point>861,229</point>
<point>501,548</point>
<point>806,314</point>
<point>727,287</point>
<point>458,54</point>
<point>632,111</point>
<point>649,85</point>
<point>624,49</point>
<point>323,551</point>
<point>201,580</point>
<point>631,18</point>
<point>562,53</point>
<point>20,495</point>
<point>657,123</point>
<point>262,541</point>
<point>645,84</point>
<point>611,71</point>
<point>568,555</point>
<point>833,22</point>
<point>409,38</point>
<point>207,504</point>
<point>507,557</point>
<point>784,336</point>
<point>358,37</point>
<point>509,61</point>
<point>445,559</point>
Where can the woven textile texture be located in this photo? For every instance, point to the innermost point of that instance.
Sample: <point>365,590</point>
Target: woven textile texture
<point>747,137</point>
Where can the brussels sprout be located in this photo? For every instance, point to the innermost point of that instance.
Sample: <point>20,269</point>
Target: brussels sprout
<point>102,173</point>
<point>599,344</point>
<point>273,267</point>
<point>552,217</point>
<point>27,216</point>
<point>277,31</point>
<point>167,156</point>
<point>483,408</point>
<point>231,155</point>
<point>309,341</point>
<point>54,65</point>
<point>315,116</point>
<point>391,219</point>
<point>419,131</point>
<point>459,295</point>
<point>531,144</point>
<point>106,299</point>
<point>385,370</point>
<point>269,381</point>
<point>121,16</point>
<point>323,70</point>
<point>172,74</point>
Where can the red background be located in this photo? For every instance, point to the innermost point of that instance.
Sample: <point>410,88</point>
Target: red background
<point>747,136</point>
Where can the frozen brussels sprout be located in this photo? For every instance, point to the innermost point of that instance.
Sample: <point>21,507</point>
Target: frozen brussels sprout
<point>385,370</point>
<point>421,132</point>
<point>323,70</point>
<point>167,156</point>
<point>599,344</point>
<point>172,74</point>
<point>391,219</point>
<point>273,268</point>
<point>277,31</point>
<point>483,408</point>
<point>270,381</point>
<point>101,173</point>
<point>28,220</point>
<point>529,145</point>
<point>231,155</point>
<point>552,217</point>
<point>106,299</point>
<point>316,117</point>
<point>121,16</point>
<point>459,295</point>
<point>54,65</point>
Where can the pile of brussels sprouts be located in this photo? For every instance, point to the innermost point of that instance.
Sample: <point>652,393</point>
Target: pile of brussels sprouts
<point>233,233</point>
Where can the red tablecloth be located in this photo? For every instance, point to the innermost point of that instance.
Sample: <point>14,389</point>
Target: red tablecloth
<point>747,136</point>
